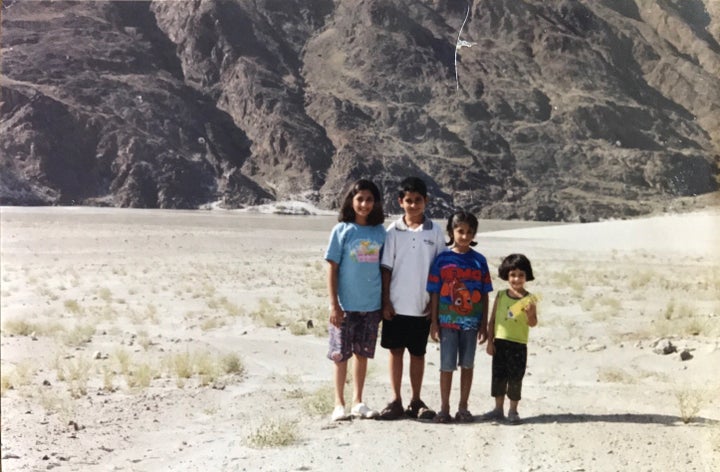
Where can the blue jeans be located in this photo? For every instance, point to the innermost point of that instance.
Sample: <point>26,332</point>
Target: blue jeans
<point>457,348</point>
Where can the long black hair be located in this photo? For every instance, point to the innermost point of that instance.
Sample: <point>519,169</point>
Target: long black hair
<point>347,214</point>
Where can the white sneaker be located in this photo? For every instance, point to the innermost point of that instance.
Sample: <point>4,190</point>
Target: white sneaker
<point>339,414</point>
<point>362,411</point>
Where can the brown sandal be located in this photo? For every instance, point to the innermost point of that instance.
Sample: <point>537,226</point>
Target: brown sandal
<point>418,409</point>
<point>443,417</point>
<point>464,416</point>
<point>392,411</point>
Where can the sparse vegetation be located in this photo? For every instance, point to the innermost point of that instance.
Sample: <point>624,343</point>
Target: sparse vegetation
<point>690,401</point>
<point>72,306</point>
<point>75,372</point>
<point>615,375</point>
<point>6,383</point>
<point>273,433</point>
<point>78,335</point>
<point>17,327</point>
<point>320,402</point>
<point>141,376</point>
<point>232,364</point>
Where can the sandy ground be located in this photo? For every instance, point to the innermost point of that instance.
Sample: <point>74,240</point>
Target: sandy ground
<point>156,340</point>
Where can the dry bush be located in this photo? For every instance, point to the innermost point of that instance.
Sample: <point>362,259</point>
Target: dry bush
<point>232,364</point>
<point>79,335</point>
<point>320,402</point>
<point>75,372</point>
<point>141,376</point>
<point>273,432</point>
<point>122,358</point>
<point>615,375</point>
<point>6,383</point>
<point>212,323</point>
<point>690,401</point>
<point>72,306</point>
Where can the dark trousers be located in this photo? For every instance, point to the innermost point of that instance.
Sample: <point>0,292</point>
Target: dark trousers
<point>508,369</point>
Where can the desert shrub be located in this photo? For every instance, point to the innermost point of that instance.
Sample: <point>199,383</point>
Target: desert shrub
<point>122,357</point>
<point>320,402</point>
<point>15,327</point>
<point>78,335</point>
<point>690,401</point>
<point>6,383</point>
<point>615,375</point>
<point>72,306</point>
<point>232,364</point>
<point>140,377</point>
<point>273,433</point>
<point>181,365</point>
<point>75,372</point>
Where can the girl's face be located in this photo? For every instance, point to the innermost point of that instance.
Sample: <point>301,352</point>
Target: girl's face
<point>463,235</point>
<point>362,204</point>
<point>516,279</point>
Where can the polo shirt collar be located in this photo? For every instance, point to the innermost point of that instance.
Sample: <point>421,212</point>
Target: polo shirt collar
<point>401,226</point>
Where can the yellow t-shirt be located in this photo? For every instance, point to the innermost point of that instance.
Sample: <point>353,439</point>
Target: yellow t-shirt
<point>507,325</point>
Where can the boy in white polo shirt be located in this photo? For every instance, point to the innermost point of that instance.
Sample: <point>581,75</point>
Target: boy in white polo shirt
<point>411,244</point>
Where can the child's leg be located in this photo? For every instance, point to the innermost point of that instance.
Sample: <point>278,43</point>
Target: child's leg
<point>466,378</point>
<point>516,370</point>
<point>417,346</point>
<point>417,371</point>
<point>499,384</point>
<point>340,376</point>
<point>445,384</point>
<point>466,359</point>
<point>449,339</point>
<point>359,372</point>
<point>396,371</point>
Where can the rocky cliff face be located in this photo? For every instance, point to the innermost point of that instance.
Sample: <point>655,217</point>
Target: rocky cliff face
<point>553,110</point>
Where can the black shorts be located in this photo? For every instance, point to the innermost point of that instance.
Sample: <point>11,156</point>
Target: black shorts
<point>404,331</point>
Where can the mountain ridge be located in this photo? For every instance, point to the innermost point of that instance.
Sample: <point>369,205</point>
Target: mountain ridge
<point>562,110</point>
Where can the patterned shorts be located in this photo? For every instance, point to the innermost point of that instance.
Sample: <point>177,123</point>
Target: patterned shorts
<point>357,335</point>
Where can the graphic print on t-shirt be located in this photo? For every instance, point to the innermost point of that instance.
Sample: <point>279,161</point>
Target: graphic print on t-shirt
<point>461,299</point>
<point>364,250</point>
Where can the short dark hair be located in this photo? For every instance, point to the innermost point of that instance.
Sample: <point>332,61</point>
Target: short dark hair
<point>516,261</point>
<point>347,214</point>
<point>461,216</point>
<point>412,184</point>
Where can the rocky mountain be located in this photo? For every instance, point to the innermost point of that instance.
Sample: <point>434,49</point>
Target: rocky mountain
<point>536,109</point>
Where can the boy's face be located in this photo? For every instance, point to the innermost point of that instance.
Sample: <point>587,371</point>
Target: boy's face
<point>413,204</point>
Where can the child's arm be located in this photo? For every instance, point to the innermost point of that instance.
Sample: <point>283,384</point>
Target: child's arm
<point>531,313</point>
<point>491,330</point>
<point>434,308</point>
<point>387,306</point>
<point>336,313</point>
<point>483,331</point>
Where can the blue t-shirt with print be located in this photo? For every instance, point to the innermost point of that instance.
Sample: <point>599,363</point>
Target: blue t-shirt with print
<point>356,250</point>
<point>461,280</point>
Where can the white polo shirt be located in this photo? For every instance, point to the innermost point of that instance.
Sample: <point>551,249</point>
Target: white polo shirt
<point>409,253</point>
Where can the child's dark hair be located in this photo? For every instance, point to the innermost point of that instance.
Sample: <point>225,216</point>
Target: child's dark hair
<point>347,214</point>
<point>412,184</point>
<point>516,261</point>
<point>461,216</point>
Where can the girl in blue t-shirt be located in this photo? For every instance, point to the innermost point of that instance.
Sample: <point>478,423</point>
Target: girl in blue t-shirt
<point>355,288</point>
<point>459,283</point>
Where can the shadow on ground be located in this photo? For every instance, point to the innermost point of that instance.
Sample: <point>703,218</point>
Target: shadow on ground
<point>668,420</point>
